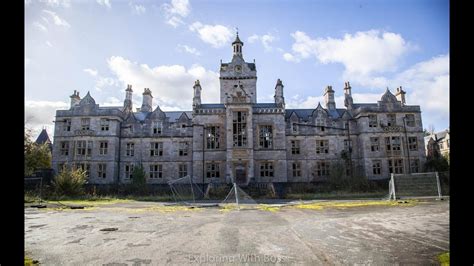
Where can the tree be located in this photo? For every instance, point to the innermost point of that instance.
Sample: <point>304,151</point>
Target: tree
<point>36,156</point>
<point>139,179</point>
<point>69,182</point>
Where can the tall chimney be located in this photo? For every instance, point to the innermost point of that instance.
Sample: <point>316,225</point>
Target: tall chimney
<point>75,99</point>
<point>147,101</point>
<point>329,98</point>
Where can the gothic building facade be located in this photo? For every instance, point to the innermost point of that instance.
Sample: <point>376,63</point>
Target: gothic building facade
<point>240,140</point>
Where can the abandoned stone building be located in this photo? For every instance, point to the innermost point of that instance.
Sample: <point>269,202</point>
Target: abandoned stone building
<point>239,139</point>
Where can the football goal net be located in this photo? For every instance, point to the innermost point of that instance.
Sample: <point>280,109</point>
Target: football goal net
<point>414,185</point>
<point>237,198</point>
<point>185,191</point>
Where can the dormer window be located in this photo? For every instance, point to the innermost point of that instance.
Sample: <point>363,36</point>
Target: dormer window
<point>391,120</point>
<point>85,123</point>
<point>157,127</point>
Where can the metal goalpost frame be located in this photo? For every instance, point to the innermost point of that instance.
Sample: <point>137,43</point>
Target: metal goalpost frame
<point>439,185</point>
<point>236,196</point>
<point>392,188</point>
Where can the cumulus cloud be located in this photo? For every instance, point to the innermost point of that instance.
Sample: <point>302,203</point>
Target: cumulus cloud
<point>265,39</point>
<point>105,3</point>
<point>138,9</point>
<point>175,11</point>
<point>171,85</point>
<point>56,19</point>
<point>56,3</point>
<point>92,72</point>
<point>427,84</point>
<point>215,35</point>
<point>40,26</point>
<point>361,53</point>
<point>188,49</point>
<point>290,58</point>
<point>41,113</point>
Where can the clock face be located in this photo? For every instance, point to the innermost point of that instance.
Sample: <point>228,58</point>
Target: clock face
<point>238,68</point>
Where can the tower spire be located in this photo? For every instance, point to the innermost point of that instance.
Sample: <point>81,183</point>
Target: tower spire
<point>237,44</point>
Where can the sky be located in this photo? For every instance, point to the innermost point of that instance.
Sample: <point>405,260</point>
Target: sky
<point>100,46</point>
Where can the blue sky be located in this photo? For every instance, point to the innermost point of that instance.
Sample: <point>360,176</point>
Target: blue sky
<point>100,46</point>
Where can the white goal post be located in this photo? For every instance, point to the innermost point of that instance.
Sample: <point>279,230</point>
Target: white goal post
<point>414,185</point>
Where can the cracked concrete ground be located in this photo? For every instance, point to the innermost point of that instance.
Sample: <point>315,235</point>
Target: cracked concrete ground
<point>376,235</point>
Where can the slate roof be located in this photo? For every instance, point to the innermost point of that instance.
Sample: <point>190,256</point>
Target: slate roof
<point>43,137</point>
<point>305,113</point>
<point>212,105</point>
<point>265,105</point>
<point>175,115</point>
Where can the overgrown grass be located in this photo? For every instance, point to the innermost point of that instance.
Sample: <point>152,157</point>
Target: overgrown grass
<point>336,195</point>
<point>352,204</point>
<point>29,261</point>
<point>443,258</point>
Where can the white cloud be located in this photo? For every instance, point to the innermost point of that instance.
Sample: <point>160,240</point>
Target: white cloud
<point>361,53</point>
<point>175,11</point>
<point>49,44</point>
<point>92,72</point>
<point>253,38</point>
<point>310,102</point>
<point>27,61</point>
<point>40,26</point>
<point>172,86</point>
<point>103,82</point>
<point>56,3</point>
<point>174,21</point>
<point>57,20</point>
<point>427,84</point>
<point>266,40</point>
<point>188,49</point>
<point>178,7</point>
<point>41,113</point>
<point>138,9</point>
<point>27,3</point>
<point>215,35</point>
<point>290,58</point>
<point>112,101</point>
<point>105,3</point>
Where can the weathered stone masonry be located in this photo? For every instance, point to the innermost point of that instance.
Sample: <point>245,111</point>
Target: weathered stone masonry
<point>238,138</point>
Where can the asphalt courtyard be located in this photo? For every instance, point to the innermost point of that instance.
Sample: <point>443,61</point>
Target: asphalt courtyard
<point>144,233</point>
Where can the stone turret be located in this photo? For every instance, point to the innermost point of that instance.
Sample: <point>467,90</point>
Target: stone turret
<point>127,103</point>
<point>279,99</point>
<point>75,99</point>
<point>237,46</point>
<point>197,94</point>
<point>147,105</point>
<point>400,94</point>
<point>348,95</point>
<point>329,98</point>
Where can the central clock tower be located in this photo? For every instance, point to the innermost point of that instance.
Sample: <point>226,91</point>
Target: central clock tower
<point>238,79</point>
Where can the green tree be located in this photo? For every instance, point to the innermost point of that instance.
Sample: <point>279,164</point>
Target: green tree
<point>35,156</point>
<point>438,164</point>
<point>69,182</point>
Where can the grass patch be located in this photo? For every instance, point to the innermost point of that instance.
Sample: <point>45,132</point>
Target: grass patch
<point>161,209</point>
<point>352,204</point>
<point>443,259</point>
<point>29,261</point>
<point>336,195</point>
<point>90,202</point>
<point>269,208</point>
